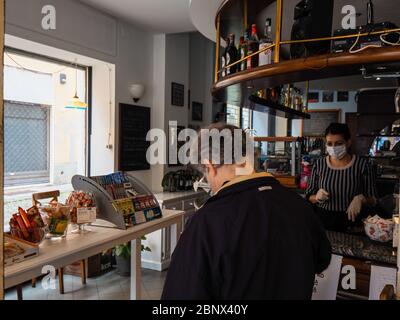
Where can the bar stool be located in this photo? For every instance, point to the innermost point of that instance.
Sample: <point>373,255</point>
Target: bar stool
<point>54,195</point>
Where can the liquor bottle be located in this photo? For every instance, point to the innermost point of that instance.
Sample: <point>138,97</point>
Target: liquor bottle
<point>242,51</point>
<point>266,56</point>
<point>252,47</point>
<point>231,55</point>
<point>223,59</point>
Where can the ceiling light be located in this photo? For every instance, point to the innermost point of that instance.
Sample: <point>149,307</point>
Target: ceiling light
<point>75,102</point>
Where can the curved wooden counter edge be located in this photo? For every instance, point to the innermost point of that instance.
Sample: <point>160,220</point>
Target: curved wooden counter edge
<point>329,61</point>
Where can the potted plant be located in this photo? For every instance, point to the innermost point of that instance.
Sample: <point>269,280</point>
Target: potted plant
<point>123,258</point>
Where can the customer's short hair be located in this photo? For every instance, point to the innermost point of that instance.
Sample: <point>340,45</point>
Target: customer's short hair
<point>339,128</point>
<point>220,128</point>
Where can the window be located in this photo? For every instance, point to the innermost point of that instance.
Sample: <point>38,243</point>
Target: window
<point>233,115</point>
<point>246,118</point>
<point>239,117</point>
<point>26,137</point>
<point>45,144</point>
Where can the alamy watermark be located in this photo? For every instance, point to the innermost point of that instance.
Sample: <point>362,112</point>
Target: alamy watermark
<point>49,19</point>
<point>349,20</point>
<point>208,146</point>
<point>49,280</point>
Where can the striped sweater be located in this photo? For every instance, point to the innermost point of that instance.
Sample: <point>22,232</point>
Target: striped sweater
<point>343,184</point>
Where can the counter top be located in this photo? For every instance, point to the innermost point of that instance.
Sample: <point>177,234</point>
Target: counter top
<point>75,247</point>
<point>361,247</point>
<point>168,196</point>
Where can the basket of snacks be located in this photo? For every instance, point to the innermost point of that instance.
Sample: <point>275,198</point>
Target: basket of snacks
<point>56,217</point>
<point>379,229</point>
<point>83,210</point>
<point>28,225</point>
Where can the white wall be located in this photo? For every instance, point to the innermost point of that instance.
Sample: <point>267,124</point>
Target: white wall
<point>22,85</point>
<point>159,88</point>
<point>346,107</point>
<point>260,123</point>
<point>177,70</point>
<point>201,73</point>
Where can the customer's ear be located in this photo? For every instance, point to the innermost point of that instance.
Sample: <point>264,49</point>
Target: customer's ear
<point>212,171</point>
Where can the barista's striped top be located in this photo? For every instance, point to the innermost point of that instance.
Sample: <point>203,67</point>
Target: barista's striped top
<point>343,184</point>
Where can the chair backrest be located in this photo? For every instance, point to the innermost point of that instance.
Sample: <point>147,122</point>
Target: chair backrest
<point>53,195</point>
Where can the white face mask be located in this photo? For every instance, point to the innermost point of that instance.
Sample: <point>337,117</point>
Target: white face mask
<point>338,152</point>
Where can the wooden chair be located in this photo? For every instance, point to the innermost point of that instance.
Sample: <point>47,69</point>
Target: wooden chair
<point>54,195</point>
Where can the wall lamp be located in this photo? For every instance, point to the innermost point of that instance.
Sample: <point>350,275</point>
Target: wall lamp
<point>137,91</point>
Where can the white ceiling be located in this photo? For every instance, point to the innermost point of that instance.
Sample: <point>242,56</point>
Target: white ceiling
<point>166,16</point>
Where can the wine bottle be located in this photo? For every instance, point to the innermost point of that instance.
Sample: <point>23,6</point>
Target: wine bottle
<point>223,59</point>
<point>252,47</point>
<point>266,56</point>
<point>242,51</point>
<point>231,55</point>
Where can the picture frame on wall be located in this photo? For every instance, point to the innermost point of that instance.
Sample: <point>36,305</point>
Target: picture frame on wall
<point>343,96</point>
<point>313,97</point>
<point>197,111</point>
<point>177,94</point>
<point>328,96</point>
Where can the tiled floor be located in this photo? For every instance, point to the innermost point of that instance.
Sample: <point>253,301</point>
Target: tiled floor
<point>110,286</point>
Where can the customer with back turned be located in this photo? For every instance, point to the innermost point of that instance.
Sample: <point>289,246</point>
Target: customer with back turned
<point>341,184</point>
<point>253,239</point>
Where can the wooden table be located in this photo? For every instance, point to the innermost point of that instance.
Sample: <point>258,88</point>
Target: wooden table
<point>75,247</point>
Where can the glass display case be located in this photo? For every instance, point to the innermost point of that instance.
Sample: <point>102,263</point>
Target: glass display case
<point>281,157</point>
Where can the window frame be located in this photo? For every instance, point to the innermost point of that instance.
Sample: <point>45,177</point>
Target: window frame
<point>89,92</point>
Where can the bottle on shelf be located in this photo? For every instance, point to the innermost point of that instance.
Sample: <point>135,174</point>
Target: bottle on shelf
<point>231,55</point>
<point>252,47</point>
<point>242,52</point>
<point>265,57</point>
<point>223,59</point>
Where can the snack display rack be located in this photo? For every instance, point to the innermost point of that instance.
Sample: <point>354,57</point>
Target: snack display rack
<point>121,199</point>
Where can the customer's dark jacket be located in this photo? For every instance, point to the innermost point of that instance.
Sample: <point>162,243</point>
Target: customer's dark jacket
<point>255,239</point>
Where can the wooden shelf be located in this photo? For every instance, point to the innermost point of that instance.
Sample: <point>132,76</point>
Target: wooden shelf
<point>377,136</point>
<point>276,139</point>
<point>236,88</point>
<point>265,106</point>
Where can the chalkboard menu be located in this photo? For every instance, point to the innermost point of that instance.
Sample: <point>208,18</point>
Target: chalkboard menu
<point>320,120</point>
<point>134,126</point>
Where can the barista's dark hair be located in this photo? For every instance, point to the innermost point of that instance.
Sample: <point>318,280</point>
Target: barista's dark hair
<point>339,128</point>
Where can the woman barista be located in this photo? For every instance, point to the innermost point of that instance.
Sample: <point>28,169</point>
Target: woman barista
<point>341,184</point>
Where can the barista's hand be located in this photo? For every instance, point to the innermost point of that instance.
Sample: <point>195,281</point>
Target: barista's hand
<point>355,207</point>
<point>322,196</point>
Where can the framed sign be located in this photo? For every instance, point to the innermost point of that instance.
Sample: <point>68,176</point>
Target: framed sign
<point>178,94</point>
<point>320,120</point>
<point>197,111</point>
<point>313,97</point>
<point>328,96</point>
<point>134,126</point>
<point>343,96</point>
